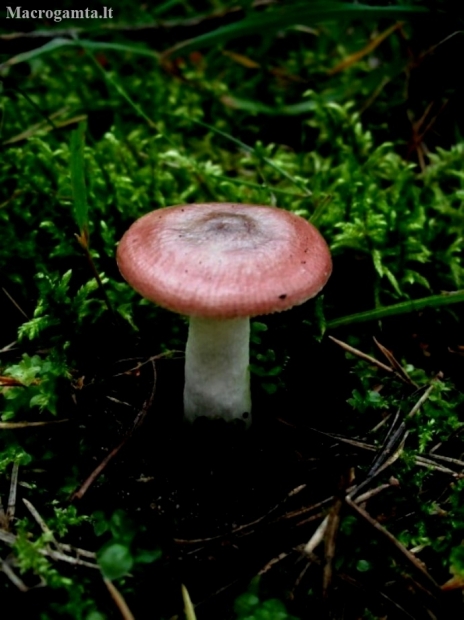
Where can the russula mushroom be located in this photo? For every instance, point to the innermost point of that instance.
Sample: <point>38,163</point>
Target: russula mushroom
<point>221,264</point>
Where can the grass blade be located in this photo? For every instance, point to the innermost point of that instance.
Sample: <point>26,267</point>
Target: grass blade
<point>81,208</point>
<point>297,13</point>
<point>188,607</point>
<point>405,307</point>
<point>60,42</point>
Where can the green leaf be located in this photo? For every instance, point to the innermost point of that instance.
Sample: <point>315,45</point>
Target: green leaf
<point>363,566</point>
<point>122,527</point>
<point>100,523</point>
<point>115,560</point>
<point>147,556</point>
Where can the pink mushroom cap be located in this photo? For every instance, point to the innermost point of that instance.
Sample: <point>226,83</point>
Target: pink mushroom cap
<point>222,260</point>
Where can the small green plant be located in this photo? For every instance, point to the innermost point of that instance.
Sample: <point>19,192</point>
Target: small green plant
<point>120,554</point>
<point>249,606</point>
<point>36,385</point>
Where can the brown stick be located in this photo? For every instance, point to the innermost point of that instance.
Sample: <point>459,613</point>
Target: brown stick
<point>80,492</point>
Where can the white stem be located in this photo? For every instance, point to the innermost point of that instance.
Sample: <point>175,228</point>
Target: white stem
<point>217,378</point>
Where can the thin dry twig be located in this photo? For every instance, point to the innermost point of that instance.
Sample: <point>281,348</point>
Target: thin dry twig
<point>373,492</point>
<point>152,359</point>
<point>394,363</point>
<point>363,356</point>
<point>11,506</point>
<point>316,517</point>
<point>422,399</point>
<point>298,580</point>
<point>78,551</point>
<point>62,557</point>
<point>9,347</point>
<point>395,367</point>
<point>447,459</point>
<point>80,492</point>
<point>119,600</point>
<point>320,532</point>
<point>378,426</point>
<point>10,539</point>
<point>350,60</point>
<point>14,425</point>
<point>5,566</point>
<point>314,559</point>
<point>411,558</point>
<point>299,512</point>
<point>7,516</point>
<point>356,443</point>
<point>424,462</point>
<point>267,567</point>
<point>3,519</point>
<point>7,537</point>
<point>247,526</point>
<point>331,532</point>
<point>43,526</point>
<point>15,304</point>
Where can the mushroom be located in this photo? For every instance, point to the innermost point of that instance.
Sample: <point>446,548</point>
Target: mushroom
<point>220,264</point>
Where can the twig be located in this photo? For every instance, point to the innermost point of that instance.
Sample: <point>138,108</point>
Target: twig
<point>330,537</point>
<point>57,555</point>
<point>421,400</point>
<point>119,600</point>
<point>12,576</point>
<point>274,561</point>
<point>447,459</point>
<point>8,347</point>
<point>302,511</point>
<point>394,363</point>
<point>15,304</point>
<point>10,539</point>
<point>341,439</point>
<point>13,425</point>
<point>80,492</point>
<point>7,537</point>
<point>10,510</point>
<point>152,359</point>
<point>396,543</point>
<point>245,526</point>
<point>43,526</point>
<point>368,494</point>
<point>78,551</point>
<point>395,439</point>
<point>97,471</point>
<point>315,517</point>
<point>3,519</point>
<point>395,368</point>
<point>363,356</point>
<point>316,538</point>
<point>319,534</point>
<point>424,462</point>
<point>298,580</point>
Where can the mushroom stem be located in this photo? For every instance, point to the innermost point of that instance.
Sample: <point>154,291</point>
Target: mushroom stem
<point>217,376</point>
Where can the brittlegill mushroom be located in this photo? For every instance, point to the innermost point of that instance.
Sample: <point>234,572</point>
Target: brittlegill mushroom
<point>220,264</point>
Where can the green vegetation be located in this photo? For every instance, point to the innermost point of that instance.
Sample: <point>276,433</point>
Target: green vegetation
<point>345,496</point>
